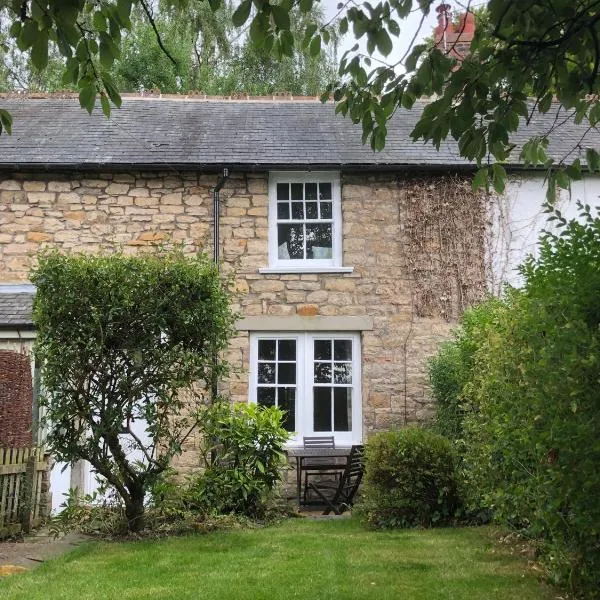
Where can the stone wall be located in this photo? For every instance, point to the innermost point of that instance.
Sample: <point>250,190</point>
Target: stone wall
<point>136,211</point>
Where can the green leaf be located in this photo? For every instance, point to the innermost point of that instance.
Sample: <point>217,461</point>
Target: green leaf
<point>99,21</point>
<point>6,120</point>
<point>315,46</point>
<point>87,97</point>
<point>241,14</point>
<point>480,180</point>
<point>281,17</point>
<point>105,105</point>
<point>394,27</point>
<point>27,35</point>
<point>384,42</point>
<point>39,51</point>
<point>593,159</point>
<point>306,5</point>
<point>111,90</point>
<point>498,178</point>
<point>562,180</point>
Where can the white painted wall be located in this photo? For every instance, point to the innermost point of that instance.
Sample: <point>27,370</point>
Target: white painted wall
<point>517,219</point>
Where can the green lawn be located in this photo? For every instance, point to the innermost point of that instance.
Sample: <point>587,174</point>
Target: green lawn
<point>299,558</point>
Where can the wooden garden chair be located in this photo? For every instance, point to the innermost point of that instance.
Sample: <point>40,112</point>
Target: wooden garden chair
<point>339,497</point>
<point>317,465</point>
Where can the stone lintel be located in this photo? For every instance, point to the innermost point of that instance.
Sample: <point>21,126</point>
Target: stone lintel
<point>299,323</point>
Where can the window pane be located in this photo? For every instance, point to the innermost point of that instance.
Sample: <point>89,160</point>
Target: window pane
<point>291,241</point>
<point>287,349</point>
<point>310,189</point>
<point>265,396</point>
<point>266,372</point>
<point>266,349</point>
<point>322,409</point>
<point>326,210</point>
<point>342,350</point>
<point>286,373</point>
<point>322,372</point>
<point>283,191</point>
<point>286,400</point>
<point>311,210</point>
<point>342,409</point>
<point>297,191</point>
<point>318,241</point>
<point>342,373</point>
<point>283,210</point>
<point>322,349</point>
<point>297,210</point>
<point>325,191</point>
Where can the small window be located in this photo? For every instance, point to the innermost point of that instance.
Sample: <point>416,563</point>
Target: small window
<point>314,378</point>
<point>304,220</point>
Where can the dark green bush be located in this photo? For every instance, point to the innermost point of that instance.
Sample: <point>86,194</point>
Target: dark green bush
<point>531,411</point>
<point>452,368</point>
<point>244,451</point>
<point>410,480</point>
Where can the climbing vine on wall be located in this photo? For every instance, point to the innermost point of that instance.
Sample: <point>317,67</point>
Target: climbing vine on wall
<point>444,243</point>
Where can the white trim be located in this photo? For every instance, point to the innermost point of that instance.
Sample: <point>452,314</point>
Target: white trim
<point>17,334</point>
<point>298,323</point>
<point>306,265</point>
<point>292,270</point>
<point>304,383</point>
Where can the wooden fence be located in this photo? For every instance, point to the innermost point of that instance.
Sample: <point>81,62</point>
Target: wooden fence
<point>23,489</point>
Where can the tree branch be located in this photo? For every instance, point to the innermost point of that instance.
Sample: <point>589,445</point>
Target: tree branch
<point>156,32</point>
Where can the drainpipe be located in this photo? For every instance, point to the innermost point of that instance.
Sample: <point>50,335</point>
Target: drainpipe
<point>216,200</point>
<point>216,206</point>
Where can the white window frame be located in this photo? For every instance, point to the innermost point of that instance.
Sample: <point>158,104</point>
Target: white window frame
<point>304,382</point>
<point>310,264</point>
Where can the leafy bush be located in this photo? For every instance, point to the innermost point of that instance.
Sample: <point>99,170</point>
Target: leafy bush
<point>124,339</point>
<point>244,451</point>
<point>452,368</point>
<point>409,480</point>
<point>531,424</point>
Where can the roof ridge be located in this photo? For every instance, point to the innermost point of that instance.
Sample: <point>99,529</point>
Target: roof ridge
<point>158,95</point>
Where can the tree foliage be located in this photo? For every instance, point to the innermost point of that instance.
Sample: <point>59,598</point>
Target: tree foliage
<point>528,407</point>
<point>520,48</point>
<point>123,340</point>
<point>167,45</point>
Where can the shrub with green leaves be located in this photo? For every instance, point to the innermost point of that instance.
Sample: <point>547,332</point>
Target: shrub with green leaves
<point>531,424</point>
<point>244,454</point>
<point>123,340</point>
<point>410,480</point>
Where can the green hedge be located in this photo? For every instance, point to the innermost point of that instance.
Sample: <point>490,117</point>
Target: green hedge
<point>529,405</point>
<point>409,480</point>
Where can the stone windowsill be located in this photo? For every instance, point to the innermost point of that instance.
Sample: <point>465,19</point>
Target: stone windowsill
<point>307,270</point>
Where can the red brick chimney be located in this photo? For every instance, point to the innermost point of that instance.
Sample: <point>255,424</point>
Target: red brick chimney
<point>454,39</point>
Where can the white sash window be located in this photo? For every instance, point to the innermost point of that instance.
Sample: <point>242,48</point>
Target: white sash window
<point>314,378</point>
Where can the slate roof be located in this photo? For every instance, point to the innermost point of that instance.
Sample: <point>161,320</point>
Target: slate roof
<point>210,134</point>
<point>15,310</point>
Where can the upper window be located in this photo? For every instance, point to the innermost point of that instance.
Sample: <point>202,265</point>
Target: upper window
<point>304,220</point>
<point>313,377</point>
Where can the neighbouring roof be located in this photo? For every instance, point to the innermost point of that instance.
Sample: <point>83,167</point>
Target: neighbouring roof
<point>15,310</point>
<point>181,132</point>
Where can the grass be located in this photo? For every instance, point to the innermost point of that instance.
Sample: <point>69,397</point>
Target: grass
<point>301,559</point>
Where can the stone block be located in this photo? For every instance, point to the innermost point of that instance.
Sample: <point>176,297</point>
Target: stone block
<point>307,310</point>
<point>38,237</point>
<point>34,186</point>
<point>59,186</point>
<point>117,189</point>
<point>10,185</point>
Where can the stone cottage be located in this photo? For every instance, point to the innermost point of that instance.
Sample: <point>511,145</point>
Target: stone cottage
<point>350,266</point>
